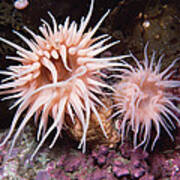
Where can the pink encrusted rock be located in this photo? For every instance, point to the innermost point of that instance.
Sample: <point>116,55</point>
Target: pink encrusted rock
<point>101,160</point>
<point>99,174</point>
<point>42,175</point>
<point>120,171</point>
<point>103,150</point>
<point>138,172</point>
<point>72,164</point>
<point>118,163</point>
<point>147,177</point>
<point>100,155</point>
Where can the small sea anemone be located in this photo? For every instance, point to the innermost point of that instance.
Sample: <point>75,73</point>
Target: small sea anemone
<point>59,75</point>
<point>21,4</point>
<point>143,99</point>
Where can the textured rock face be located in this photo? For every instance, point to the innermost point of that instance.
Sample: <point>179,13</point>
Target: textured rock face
<point>67,163</point>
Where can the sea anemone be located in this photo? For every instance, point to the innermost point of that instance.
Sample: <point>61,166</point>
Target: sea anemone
<point>21,4</point>
<point>143,99</point>
<point>59,75</point>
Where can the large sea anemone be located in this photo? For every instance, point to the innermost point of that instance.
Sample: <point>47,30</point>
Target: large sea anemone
<point>143,99</point>
<point>60,74</point>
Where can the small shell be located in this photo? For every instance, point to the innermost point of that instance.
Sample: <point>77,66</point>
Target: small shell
<point>21,4</point>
